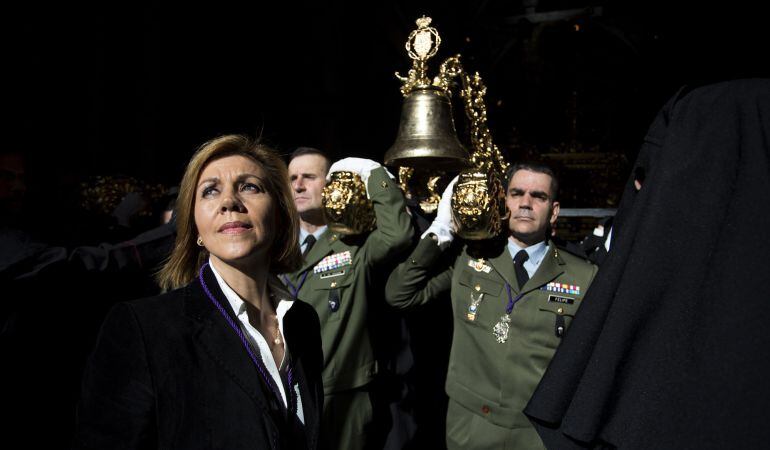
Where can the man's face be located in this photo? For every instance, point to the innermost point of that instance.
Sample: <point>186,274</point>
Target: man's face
<point>307,174</point>
<point>530,200</point>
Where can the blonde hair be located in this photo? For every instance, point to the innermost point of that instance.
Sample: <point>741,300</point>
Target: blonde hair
<point>187,257</point>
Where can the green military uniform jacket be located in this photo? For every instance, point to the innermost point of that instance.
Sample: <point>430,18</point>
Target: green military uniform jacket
<point>339,294</point>
<point>491,379</point>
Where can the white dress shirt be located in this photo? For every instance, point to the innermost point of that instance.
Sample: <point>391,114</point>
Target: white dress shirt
<point>258,341</point>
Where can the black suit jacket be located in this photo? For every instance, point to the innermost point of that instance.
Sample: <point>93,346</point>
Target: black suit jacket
<point>169,372</point>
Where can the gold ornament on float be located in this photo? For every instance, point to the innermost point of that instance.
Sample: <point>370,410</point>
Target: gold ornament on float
<point>347,209</point>
<point>427,140</point>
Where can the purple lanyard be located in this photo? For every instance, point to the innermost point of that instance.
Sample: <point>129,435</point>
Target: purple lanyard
<point>257,360</point>
<point>511,301</point>
<point>295,289</point>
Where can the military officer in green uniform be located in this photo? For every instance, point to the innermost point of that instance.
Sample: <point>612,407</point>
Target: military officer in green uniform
<point>512,299</point>
<point>335,279</point>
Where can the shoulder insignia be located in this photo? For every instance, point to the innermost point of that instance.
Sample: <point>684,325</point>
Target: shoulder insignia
<point>479,265</point>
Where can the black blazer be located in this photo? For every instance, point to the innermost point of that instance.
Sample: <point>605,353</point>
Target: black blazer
<point>169,372</point>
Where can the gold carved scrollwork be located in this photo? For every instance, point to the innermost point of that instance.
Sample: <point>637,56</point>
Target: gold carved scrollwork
<point>347,209</point>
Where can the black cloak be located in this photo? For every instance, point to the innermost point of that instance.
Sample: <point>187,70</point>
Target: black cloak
<point>671,347</point>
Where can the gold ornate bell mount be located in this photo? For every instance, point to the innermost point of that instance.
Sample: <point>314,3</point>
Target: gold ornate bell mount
<point>427,138</point>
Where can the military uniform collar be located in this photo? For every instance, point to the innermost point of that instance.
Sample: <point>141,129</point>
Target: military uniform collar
<point>550,268</point>
<point>535,252</point>
<point>326,243</point>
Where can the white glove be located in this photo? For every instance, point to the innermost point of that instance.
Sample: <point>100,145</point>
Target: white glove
<point>443,225</point>
<point>361,166</point>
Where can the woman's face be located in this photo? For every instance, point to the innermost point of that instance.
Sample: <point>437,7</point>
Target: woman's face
<point>233,210</point>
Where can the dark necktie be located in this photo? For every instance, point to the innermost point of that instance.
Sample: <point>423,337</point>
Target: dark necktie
<point>518,264</point>
<point>309,241</point>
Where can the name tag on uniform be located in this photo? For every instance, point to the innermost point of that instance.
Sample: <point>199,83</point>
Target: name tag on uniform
<point>559,299</point>
<point>332,274</point>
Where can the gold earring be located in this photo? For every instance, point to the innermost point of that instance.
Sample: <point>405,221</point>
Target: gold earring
<point>200,241</point>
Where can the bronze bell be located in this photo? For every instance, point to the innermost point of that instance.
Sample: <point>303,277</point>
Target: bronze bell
<point>426,135</point>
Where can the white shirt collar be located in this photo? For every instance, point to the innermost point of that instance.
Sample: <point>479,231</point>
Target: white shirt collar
<point>239,306</point>
<point>536,254</point>
<point>317,235</point>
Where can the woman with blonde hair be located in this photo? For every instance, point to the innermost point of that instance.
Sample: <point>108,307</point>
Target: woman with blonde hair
<point>226,358</point>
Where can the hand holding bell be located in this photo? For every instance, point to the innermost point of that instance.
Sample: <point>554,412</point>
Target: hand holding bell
<point>443,226</point>
<point>345,198</point>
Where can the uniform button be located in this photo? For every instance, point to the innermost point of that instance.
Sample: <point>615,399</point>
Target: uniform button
<point>560,310</point>
<point>334,237</point>
<point>485,409</point>
<point>384,184</point>
<point>414,261</point>
<point>477,287</point>
<point>334,284</point>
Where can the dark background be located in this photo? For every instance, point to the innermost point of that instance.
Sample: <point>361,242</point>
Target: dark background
<point>136,89</point>
<point>133,89</point>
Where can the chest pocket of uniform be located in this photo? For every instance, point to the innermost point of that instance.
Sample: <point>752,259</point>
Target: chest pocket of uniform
<point>483,294</point>
<point>560,310</point>
<point>328,288</point>
<point>478,283</point>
